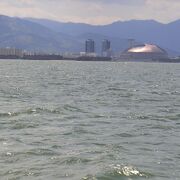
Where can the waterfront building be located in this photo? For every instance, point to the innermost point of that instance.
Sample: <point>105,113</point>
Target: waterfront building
<point>106,48</point>
<point>90,46</point>
<point>11,52</point>
<point>146,52</point>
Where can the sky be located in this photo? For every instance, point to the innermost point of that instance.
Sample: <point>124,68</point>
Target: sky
<point>93,11</point>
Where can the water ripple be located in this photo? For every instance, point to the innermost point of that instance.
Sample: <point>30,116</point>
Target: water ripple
<point>71,120</point>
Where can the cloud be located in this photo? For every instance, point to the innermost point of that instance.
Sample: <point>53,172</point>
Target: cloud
<point>93,11</point>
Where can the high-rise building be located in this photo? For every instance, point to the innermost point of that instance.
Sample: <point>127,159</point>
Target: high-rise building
<point>106,48</point>
<point>90,46</point>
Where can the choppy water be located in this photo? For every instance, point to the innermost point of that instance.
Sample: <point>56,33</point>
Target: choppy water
<point>89,120</point>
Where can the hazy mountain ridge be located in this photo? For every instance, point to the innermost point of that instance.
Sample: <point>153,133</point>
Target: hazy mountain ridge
<point>20,33</point>
<point>52,36</point>
<point>150,31</point>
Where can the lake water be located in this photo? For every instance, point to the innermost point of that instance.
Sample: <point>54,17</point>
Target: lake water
<point>89,120</point>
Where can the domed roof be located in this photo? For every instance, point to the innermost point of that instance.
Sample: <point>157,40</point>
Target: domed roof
<point>146,48</point>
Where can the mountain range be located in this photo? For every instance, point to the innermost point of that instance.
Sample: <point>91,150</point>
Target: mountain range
<point>53,36</point>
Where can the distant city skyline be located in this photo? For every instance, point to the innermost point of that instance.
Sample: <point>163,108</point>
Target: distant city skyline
<point>94,11</point>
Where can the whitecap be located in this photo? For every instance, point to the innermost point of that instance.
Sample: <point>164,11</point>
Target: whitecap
<point>127,170</point>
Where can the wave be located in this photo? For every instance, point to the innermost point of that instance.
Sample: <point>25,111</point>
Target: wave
<point>39,110</point>
<point>116,172</point>
<point>27,111</point>
<point>127,171</point>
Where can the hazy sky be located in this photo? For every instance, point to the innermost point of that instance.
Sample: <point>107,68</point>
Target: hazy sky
<point>93,11</point>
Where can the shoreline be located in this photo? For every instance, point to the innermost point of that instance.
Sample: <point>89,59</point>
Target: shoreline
<point>83,59</point>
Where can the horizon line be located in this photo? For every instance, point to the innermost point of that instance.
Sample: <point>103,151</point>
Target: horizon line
<point>78,22</point>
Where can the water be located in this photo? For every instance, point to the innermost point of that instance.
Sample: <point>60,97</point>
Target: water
<point>89,120</point>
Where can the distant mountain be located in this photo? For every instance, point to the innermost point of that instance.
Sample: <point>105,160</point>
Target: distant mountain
<point>30,34</point>
<point>52,36</point>
<point>73,29</point>
<point>150,31</point>
<point>20,33</point>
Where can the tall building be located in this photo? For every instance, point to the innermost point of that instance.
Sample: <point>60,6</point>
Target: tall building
<point>106,48</point>
<point>90,46</point>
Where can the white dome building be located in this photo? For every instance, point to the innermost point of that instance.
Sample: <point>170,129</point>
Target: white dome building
<point>146,52</point>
